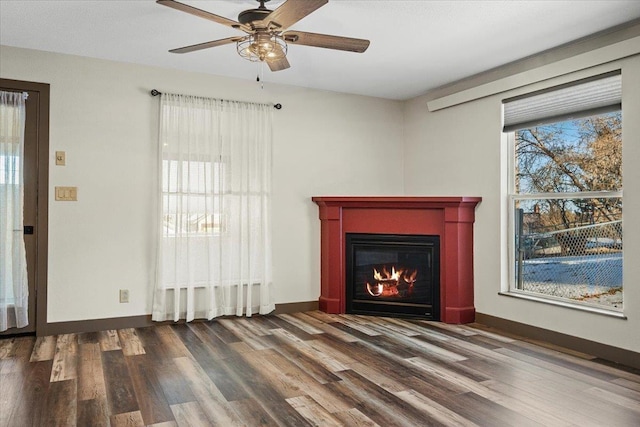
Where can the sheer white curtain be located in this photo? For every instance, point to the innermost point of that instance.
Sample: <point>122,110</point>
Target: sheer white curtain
<point>214,255</point>
<point>14,291</point>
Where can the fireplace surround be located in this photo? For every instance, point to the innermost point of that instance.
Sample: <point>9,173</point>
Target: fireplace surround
<point>449,218</point>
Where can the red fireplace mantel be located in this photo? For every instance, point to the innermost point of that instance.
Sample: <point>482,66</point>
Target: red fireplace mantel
<point>451,218</point>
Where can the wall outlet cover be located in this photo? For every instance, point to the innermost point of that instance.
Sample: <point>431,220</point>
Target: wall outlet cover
<point>66,194</point>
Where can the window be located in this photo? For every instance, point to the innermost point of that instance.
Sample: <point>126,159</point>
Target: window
<point>9,162</point>
<point>9,170</point>
<point>566,193</point>
<point>10,176</point>
<point>191,193</point>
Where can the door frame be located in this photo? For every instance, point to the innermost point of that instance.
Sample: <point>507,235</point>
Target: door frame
<point>42,209</point>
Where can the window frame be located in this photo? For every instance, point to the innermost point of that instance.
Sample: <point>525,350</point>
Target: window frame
<point>512,197</point>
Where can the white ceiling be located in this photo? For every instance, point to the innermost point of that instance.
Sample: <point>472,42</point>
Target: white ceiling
<point>415,46</point>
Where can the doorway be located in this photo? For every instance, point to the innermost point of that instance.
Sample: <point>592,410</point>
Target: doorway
<point>36,199</point>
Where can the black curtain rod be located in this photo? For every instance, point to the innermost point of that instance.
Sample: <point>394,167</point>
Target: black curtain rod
<point>155,92</point>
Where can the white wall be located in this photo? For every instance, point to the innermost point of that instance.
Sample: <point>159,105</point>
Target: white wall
<point>460,151</point>
<point>325,144</point>
<point>104,118</point>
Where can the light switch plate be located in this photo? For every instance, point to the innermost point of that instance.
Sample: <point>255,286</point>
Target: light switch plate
<point>61,158</point>
<point>67,194</point>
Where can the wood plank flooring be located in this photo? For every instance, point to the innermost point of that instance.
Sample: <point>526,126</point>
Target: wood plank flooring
<point>308,369</point>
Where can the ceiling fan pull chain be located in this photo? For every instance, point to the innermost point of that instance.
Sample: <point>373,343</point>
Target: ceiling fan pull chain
<point>260,77</point>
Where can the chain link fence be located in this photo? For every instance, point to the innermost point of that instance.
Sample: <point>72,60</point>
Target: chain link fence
<point>582,263</point>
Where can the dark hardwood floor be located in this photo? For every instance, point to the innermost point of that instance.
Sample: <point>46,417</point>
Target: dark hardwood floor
<point>308,369</point>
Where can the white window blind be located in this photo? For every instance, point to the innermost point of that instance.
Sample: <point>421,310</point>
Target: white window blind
<point>594,95</point>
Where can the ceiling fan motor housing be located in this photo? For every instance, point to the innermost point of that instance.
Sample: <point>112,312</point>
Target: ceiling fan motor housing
<point>251,15</point>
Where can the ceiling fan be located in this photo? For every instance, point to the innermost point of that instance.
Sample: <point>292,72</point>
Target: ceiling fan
<point>267,32</point>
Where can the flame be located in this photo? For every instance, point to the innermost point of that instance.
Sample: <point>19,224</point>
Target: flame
<point>386,276</point>
<point>386,283</point>
<point>410,278</point>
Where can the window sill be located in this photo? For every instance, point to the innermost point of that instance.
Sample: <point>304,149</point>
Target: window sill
<point>574,306</point>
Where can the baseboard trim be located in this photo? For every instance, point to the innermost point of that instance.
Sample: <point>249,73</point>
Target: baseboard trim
<point>296,307</point>
<point>95,325</point>
<point>541,336</point>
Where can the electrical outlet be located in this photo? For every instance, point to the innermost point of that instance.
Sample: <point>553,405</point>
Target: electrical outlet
<point>124,295</point>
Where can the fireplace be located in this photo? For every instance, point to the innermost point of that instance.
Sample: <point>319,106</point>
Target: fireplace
<point>448,218</point>
<point>393,275</point>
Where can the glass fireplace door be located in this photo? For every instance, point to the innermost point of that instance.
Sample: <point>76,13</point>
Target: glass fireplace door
<point>393,275</point>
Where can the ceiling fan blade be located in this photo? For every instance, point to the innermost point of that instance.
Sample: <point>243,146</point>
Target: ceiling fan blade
<point>292,11</point>
<point>203,14</point>
<point>326,41</point>
<point>279,64</point>
<point>205,45</point>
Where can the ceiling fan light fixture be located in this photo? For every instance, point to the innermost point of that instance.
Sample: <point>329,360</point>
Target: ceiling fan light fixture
<point>262,47</point>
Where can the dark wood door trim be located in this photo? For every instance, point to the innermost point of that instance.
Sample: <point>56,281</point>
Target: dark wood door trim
<point>42,222</point>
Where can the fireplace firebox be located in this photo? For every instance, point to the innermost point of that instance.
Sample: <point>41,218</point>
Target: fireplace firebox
<point>394,275</point>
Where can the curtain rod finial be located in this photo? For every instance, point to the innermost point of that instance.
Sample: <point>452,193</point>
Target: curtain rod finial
<point>155,92</point>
